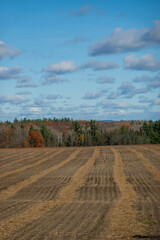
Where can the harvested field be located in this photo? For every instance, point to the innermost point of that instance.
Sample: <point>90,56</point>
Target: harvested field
<point>82,193</point>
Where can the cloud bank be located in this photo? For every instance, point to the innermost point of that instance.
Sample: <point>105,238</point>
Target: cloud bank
<point>127,40</point>
<point>9,73</point>
<point>105,79</point>
<point>92,95</point>
<point>145,63</point>
<point>25,82</point>
<point>62,67</point>
<point>8,51</point>
<point>96,65</point>
<point>15,99</point>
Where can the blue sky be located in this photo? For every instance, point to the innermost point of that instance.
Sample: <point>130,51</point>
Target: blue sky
<point>80,59</point>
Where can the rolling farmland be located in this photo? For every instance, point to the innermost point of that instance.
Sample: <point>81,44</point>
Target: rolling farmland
<point>83,193</point>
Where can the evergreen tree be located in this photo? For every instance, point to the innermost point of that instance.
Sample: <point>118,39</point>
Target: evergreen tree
<point>46,134</point>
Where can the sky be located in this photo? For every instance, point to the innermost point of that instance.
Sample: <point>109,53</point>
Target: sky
<point>88,59</point>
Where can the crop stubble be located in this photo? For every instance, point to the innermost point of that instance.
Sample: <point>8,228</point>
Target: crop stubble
<point>142,175</point>
<point>152,157</point>
<point>80,193</point>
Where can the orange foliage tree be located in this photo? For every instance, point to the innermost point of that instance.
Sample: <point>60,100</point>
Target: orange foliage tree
<point>36,139</point>
<point>125,125</point>
<point>25,143</point>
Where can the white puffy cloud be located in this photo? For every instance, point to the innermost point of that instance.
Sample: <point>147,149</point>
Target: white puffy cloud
<point>153,35</point>
<point>51,96</point>
<point>9,73</point>
<point>146,62</point>
<point>56,69</point>
<point>112,95</point>
<point>35,110</point>
<point>23,93</point>
<point>92,95</point>
<point>96,65</point>
<point>50,79</point>
<point>62,67</point>
<point>25,82</point>
<point>105,79</point>
<point>112,105</point>
<point>127,40</point>
<point>8,51</point>
<point>141,79</point>
<point>155,83</point>
<point>151,82</point>
<point>128,90</point>
<point>13,99</point>
<point>145,100</point>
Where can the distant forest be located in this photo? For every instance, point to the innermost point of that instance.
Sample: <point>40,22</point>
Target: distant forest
<point>66,132</point>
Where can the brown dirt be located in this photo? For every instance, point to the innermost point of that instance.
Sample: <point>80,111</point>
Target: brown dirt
<point>152,156</point>
<point>24,160</point>
<point>155,147</point>
<point>48,186</point>
<point>16,182</point>
<point>37,210</point>
<point>100,184</point>
<point>91,193</point>
<point>25,164</point>
<point>123,224</point>
<point>12,157</point>
<point>148,164</point>
<point>147,190</point>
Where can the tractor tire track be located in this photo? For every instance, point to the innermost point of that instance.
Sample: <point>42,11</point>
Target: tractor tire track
<point>4,155</point>
<point>19,193</point>
<point>8,208</point>
<point>20,159</point>
<point>123,224</point>
<point>147,189</point>
<point>152,156</point>
<point>147,164</point>
<point>100,185</point>
<point>12,154</point>
<point>31,176</point>
<point>152,149</point>
<point>28,166</point>
<point>67,194</point>
<point>14,179</point>
<point>84,220</point>
<point>11,158</point>
<point>23,163</point>
<point>46,188</point>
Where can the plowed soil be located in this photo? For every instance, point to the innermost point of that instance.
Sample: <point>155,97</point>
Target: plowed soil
<point>82,193</point>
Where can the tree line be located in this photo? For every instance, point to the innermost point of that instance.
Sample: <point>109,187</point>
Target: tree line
<point>66,132</point>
